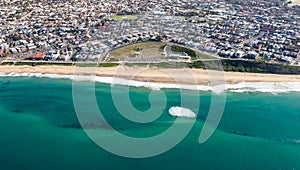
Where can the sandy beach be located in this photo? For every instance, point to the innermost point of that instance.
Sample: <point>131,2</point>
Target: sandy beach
<point>184,76</point>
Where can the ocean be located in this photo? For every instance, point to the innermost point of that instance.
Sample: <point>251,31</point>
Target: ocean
<point>40,129</point>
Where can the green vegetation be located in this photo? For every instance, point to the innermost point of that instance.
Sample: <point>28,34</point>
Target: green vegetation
<point>163,47</point>
<point>125,17</point>
<point>35,63</point>
<point>108,65</point>
<point>250,66</point>
<point>194,55</point>
<point>7,63</point>
<point>112,59</point>
<point>41,63</point>
<point>86,64</point>
<point>189,52</point>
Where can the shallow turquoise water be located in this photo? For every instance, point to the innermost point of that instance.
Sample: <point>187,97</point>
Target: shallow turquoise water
<point>39,130</point>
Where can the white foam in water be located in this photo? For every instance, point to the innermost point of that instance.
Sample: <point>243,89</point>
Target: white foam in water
<point>181,112</point>
<point>270,87</point>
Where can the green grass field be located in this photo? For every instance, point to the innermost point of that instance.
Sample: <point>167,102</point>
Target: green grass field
<point>130,49</point>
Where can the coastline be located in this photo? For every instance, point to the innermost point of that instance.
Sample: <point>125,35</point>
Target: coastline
<point>195,76</point>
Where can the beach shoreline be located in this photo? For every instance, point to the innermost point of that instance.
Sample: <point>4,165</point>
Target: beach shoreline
<point>182,76</point>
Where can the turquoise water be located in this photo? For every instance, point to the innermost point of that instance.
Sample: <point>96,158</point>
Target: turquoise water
<point>39,130</point>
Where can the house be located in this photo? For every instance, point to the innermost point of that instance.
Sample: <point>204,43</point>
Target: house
<point>31,47</point>
<point>13,50</point>
<point>252,55</point>
<point>225,54</point>
<point>266,55</point>
<point>287,59</point>
<point>39,56</point>
<point>239,54</point>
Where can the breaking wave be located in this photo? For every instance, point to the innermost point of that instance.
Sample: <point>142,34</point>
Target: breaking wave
<point>270,87</point>
<point>182,112</point>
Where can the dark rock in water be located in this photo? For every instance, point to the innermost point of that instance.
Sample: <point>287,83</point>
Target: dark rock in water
<point>76,125</point>
<point>120,129</point>
<point>17,111</point>
<point>4,86</point>
<point>235,132</point>
<point>239,133</point>
<point>88,125</point>
<point>63,126</point>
